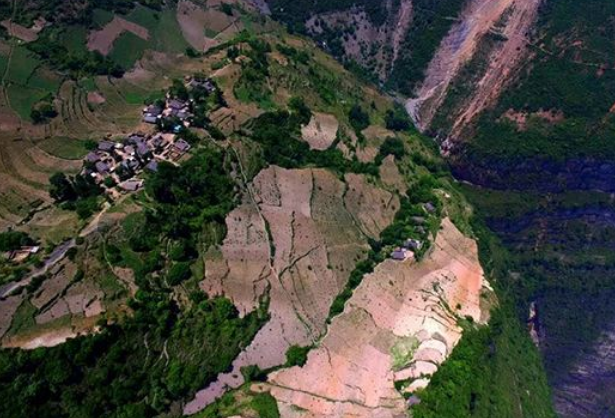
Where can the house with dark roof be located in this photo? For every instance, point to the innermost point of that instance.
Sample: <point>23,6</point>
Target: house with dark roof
<point>157,142</point>
<point>101,167</point>
<point>92,157</point>
<point>131,185</point>
<point>136,138</point>
<point>413,244</point>
<point>106,146</point>
<point>176,104</point>
<point>152,166</point>
<point>153,110</point>
<point>151,119</point>
<point>143,150</point>
<point>401,254</point>
<point>181,146</point>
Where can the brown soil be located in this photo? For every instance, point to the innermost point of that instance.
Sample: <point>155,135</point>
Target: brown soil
<point>321,132</point>
<point>353,370</point>
<point>20,32</point>
<point>298,240</point>
<point>521,119</point>
<point>102,40</point>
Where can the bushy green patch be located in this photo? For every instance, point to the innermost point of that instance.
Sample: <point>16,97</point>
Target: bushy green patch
<point>403,350</point>
<point>128,48</point>
<point>13,240</point>
<point>136,368</point>
<point>296,355</point>
<point>292,152</point>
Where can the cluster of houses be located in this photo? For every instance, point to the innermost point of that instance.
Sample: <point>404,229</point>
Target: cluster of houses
<point>22,254</point>
<point>175,109</point>
<point>122,161</point>
<point>411,246</point>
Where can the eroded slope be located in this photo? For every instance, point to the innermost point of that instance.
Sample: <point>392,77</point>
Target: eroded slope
<point>510,21</point>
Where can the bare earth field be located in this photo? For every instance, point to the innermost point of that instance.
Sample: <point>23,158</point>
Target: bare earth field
<point>102,40</point>
<point>297,241</point>
<point>20,32</point>
<point>396,327</point>
<point>321,132</point>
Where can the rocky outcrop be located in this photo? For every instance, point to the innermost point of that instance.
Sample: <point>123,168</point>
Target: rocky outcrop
<point>296,239</point>
<point>398,326</point>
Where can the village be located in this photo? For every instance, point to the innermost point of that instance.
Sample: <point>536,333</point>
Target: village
<point>411,246</point>
<point>121,162</point>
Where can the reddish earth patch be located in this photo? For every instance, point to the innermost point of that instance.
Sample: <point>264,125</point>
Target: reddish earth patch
<point>460,46</point>
<point>297,239</point>
<point>96,98</point>
<point>521,119</point>
<point>21,32</point>
<point>397,309</point>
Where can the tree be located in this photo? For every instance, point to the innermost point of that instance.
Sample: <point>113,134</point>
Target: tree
<point>397,120</point>
<point>296,356</point>
<point>179,272</point>
<point>359,119</point>
<point>62,189</point>
<point>12,240</point>
<point>300,110</point>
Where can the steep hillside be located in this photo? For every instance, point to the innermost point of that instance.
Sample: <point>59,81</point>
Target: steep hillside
<point>374,352</point>
<point>542,154</point>
<point>391,41</point>
<point>240,212</point>
<point>478,57</point>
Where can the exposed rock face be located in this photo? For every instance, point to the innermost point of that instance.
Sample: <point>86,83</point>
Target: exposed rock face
<point>511,21</point>
<point>297,237</point>
<point>396,327</point>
